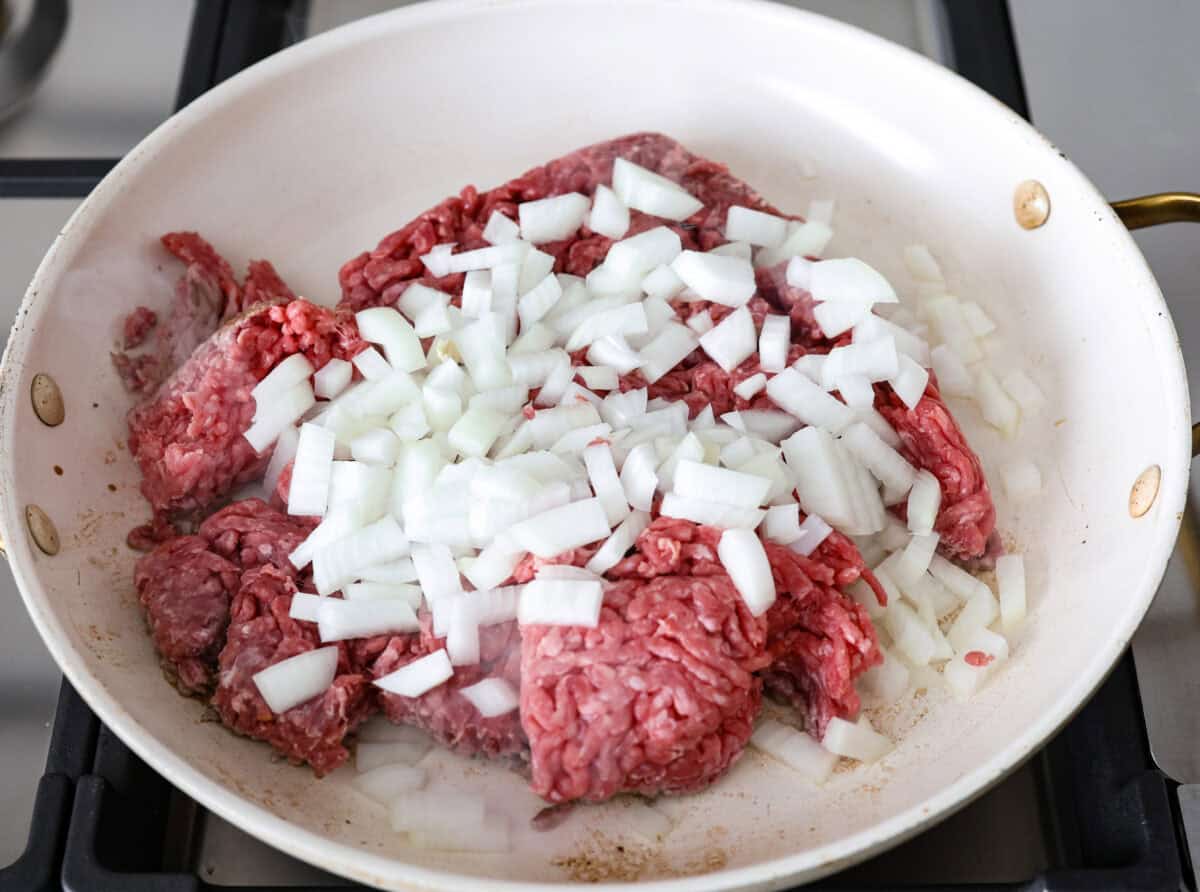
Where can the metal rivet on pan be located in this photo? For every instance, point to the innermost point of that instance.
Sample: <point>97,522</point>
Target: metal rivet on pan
<point>1031,204</point>
<point>47,400</point>
<point>1145,490</point>
<point>42,528</point>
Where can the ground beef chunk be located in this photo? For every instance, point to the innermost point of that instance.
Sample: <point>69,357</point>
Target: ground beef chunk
<point>187,439</point>
<point>185,589</point>
<point>443,712</point>
<point>380,276</point>
<point>199,254</point>
<point>660,697</point>
<point>261,634</point>
<point>931,439</point>
<point>137,327</point>
<point>252,533</point>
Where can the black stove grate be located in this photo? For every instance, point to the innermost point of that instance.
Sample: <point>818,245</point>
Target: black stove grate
<point>103,819</point>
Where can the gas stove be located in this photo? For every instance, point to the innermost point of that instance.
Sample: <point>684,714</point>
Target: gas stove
<point>1097,808</point>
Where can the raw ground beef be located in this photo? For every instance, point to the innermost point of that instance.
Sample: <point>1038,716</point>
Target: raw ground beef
<point>185,589</point>
<point>660,697</point>
<point>447,715</point>
<point>137,327</point>
<point>261,634</point>
<point>187,438</point>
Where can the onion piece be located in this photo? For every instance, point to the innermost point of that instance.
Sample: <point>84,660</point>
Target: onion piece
<point>338,620</point>
<point>921,264</point>
<point>552,532</point>
<point>488,258</point>
<point>742,555</point>
<point>297,679</point>
<point>436,571</point>
<point>827,482</point>
<point>492,697</point>
<point>383,591</point>
<point>693,479</point>
<point>337,563</point>
<point>957,580</point>
<point>808,239</point>
<point>953,378</point>
<point>627,319</point>
<point>662,282</point>
<point>629,260</point>
<point>538,301</point>
<point>997,407</point>
<point>560,602</point>
<point>1010,580</point>
<point>924,500</point>
<point>856,391</point>
<point>437,261</point>
<point>746,225</point>
<point>475,432</point>
<point>782,524</point>
<point>909,634</point>
<point>359,488</point>
<point>482,347</point>
<point>813,532</point>
<point>386,327</point>
<point>376,447</point>
<point>732,340</point>
<point>332,378</point>
<point>981,654</point>
<point>421,675</point>
<point>477,292</point>
<point>309,489</point>
<point>387,783</point>
<point>622,539</point>
<point>946,317</point>
<point>295,369</point>
<point>462,632</point>
<point>977,320</point>
<point>281,456</point>
<point>304,607</point>
<point>651,193</point>
<point>811,366</point>
<point>855,740</point>
<point>887,465</point>
<point>701,322</point>
<point>741,250</point>
<point>609,215</point>
<point>885,682</point>
<point>910,382</point>
<point>794,749</point>
<point>774,341</point>
<point>552,219</point>
<point>434,320</point>
<point>1024,391</point>
<point>409,423</point>
<point>599,377</point>
<point>602,472</point>
<point>873,328</point>
<point>978,613</point>
<point>495,563</point>
<point>849,280</point>
<point>639,476</point>
<point>797,395</point>
<point>1022,480</point>
<point>284,410</point>
<point>876,360</point>
<point>500,229</point>
<point>716,514</point>
<point>715,277</point>
<point>750,386</point>
<point>665,351</point>
<point>614,353</point>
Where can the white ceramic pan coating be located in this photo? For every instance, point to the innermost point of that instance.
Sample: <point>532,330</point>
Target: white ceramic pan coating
<point>314,154</point>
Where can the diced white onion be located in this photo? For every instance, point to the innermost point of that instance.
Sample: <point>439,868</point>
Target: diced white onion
<point>662,282</point>
<point>855,740</point>
<point>500,229</point>
<point>378,447</point>
<point>961,583</point>
<point>885,682</point>
<point>283,410</point>
<point>614,353</point>
<point>421,675</point>
<point>977,320</point>
<point>602,472</point>
<point>338,620</point>
<point>794,749</point>
<point>599,377</point>
<point>696,480</point>
<point>952,376</point>
<point>807,239</point>
<point>782,523</point>
<point>742,555</point>
<point>828,482</point>
<point>946,316</point>
<point>774,341</point>
<point>622,539</point>
<point>715,277</point>
<point>332,378</point>
<point>813,532</point>
<point>850,280</point>
<point>488,258</point>
<point>1022,480</point>
<point>732,340</point>
<point>651,193</point>
<point>747,225</point>
<point>475,432</point>
<point>297,679</point>
<point>619,321</point>
<point>924,499</point>
<point>921,264</point>
<point>337,563</point>
<point>910,382</point>
<point>1010,580</point>
<point>492,697</point>
<point>552,219</point>
<point>716,514</point>
<point>639,476</point>
<point>909,634</point>
<point>997,407</point>
<point>560,602</point>
<point>387,783</point>
<point>386,327</point>
<point>281,457</point>
<point>978,613</point>
<point>609,216</point>
<point>982,652</point>
<point>665,351</point>
<point>750,386</point>
<point>304,607</point>
<point>435,319</point>
<point>289,372</point>
<point>462,633</point>
<point>856,391</point>
<point>437,261</point>
<point>799,396</point>
<point>876,360</point>
<point>741,250</point>
<point>1024,391</point>
<point>887,465</point>
<point>308,494</point>
<point>701,322</point>
<point>383,591</point>
<point>538,301</point>
<point>436,571</point>
<point>552,532</point>
<point>811,366</point>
